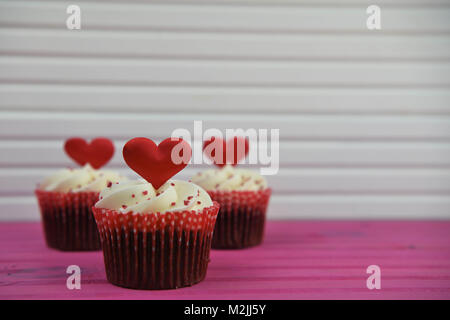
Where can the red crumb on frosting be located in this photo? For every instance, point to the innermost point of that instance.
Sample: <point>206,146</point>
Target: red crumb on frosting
<point>133,195</point>
<point>172,184</point>
<point>109,184</point>
<point>145,193</point>
<point>186,202</point>
<point>124,206</point>
<point>173,204</point>
<point>190,197</point>
<point>199,202</point>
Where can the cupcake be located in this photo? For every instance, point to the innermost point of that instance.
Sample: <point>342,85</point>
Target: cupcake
<point>66,198</point>
<point>243,196</point>
<point>155,233</point>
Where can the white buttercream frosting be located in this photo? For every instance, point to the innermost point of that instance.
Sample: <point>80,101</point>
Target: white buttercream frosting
<point>229,178</point>
<point>83,179</point>
<point>140,197</point>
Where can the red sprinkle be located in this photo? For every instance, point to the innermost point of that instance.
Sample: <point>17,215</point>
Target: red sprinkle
<point>186,202</point>
<point>124,206</point>
<point>133,195</point>
<point>199,202</point>
<point>190,197</point>
<point>172,184</point>
<point>145,193</point>
<point>173,204</point>
<point>109,184</point>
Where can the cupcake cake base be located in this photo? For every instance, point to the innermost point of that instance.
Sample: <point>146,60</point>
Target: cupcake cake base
<point>69,224</point>
<point>156,251</point>
<point>241,219</point>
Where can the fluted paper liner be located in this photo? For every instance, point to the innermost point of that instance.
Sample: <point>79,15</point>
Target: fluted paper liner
<point>154,250</point>
<point>68,221</point>
<point>241,219</point>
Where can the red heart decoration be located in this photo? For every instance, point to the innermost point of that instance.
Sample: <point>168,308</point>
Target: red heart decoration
<point>156,163</point>
<point>214,144</point>
<point>97,153</point>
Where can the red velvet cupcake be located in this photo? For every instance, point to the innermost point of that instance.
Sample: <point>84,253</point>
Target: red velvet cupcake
<point>155,234</point>
<point>66,198</point>
<point>243,195</point>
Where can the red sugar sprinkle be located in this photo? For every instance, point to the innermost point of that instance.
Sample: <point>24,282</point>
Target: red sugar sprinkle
<point>173,204</point>
<point>186,202</point>
<point>199,202</point>
<point>124,206</point>
<point>148,198</point>
<point>133,196</point>
<point>109,184</point>
<point>117,183</point>
<point>144,193</point>
<point>190,197</point>
<point>172,184</point>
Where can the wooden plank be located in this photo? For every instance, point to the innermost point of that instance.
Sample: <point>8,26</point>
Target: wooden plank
<point>224,100</point>
<point>360,207</point>
<point>30,154</point>
<point>298,260</point>
<point>311,3</point>
<point>212,17</point>
<point>221,73</point>
<point>23,181</point>
<point>58,125</point>
<point>222,46</point>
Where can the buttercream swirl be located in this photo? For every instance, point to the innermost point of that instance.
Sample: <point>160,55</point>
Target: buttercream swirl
<point>85,179</point>
<point>229,178</point>
<point>139,196</point>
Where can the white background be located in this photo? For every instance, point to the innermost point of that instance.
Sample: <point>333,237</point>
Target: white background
<point>364,115</point>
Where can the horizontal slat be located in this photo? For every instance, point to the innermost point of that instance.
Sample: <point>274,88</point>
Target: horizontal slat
<point>221,46</point>
<point>221,73</point>
<point>287,181</point>
<point>127,125</point>
<point>224,100</point>
<point>331,3</point>
<point>301,207</point>
<point>212,17</point>
<point>292,154</point>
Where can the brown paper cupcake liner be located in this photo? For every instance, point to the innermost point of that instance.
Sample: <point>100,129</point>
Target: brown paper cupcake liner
<point>241,219</point>
<point>156,251</point>
<point>68,221</point>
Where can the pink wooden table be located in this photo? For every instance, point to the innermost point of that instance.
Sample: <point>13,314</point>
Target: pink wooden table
<point>299,260</point>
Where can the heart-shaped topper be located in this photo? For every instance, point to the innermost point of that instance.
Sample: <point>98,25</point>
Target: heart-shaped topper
<point>223,152</point>
<point>157,164</point>
<point>97,153</point>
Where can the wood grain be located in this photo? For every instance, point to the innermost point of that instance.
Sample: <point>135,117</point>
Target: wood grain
<point>298,260</point>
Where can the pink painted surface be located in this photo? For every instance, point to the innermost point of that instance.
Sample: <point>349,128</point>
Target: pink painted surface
<point>298,260</point>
